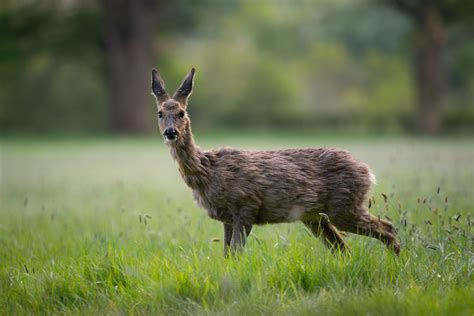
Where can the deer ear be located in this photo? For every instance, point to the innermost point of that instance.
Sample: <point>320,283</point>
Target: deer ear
<point>158,86</point>
<point>184,91</point>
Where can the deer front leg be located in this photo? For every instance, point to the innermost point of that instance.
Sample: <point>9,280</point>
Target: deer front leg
<point>239,235</point>
<point>248,229</point>
<point>227,237</point>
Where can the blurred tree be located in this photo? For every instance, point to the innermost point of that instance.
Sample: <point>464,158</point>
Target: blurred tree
<point>429,19</point>
<point>128,49</point>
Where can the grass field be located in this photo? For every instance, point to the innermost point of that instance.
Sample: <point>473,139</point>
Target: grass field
<point>107,226</point>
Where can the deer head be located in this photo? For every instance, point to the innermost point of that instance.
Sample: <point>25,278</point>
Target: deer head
<point>173,120</point>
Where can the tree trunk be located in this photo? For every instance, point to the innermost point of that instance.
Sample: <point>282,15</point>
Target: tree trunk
<point>128,56</point>
<point>429,44</point>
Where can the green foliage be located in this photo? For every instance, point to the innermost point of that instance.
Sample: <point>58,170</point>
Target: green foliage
<point>261,93</point>
<point>305,64</point>
<point>108,226</point>
<point>51,69</point>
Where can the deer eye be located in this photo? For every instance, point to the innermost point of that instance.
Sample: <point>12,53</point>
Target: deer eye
<point>181,114</point>
<point>160,114</point>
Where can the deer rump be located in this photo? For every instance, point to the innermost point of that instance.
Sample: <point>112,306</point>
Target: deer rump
<point>260,187</point>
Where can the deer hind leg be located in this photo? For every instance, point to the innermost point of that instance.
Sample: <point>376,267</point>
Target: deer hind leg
<point>385,232</point>
<point>364,223</point>
<point>332,237</point>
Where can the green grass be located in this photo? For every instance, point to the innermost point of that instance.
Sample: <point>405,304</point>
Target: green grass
<point>94,226</point>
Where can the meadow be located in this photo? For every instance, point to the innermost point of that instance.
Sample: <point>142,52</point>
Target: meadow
<point>107,226</point>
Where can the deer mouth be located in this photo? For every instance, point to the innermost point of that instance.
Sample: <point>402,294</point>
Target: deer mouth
<point>170,140</point>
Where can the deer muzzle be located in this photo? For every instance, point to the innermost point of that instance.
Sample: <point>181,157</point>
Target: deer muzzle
<point>170,134</point>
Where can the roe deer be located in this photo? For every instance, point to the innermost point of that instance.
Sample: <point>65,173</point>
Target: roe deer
<point>324,188</point>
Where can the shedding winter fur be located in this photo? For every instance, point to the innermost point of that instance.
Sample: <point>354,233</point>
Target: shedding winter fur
<point>325,188</point>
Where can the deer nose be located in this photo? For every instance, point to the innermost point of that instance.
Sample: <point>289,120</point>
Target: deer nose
<point>170,133</point>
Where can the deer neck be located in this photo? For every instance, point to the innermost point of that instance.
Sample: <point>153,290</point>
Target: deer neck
<point>193,164</point>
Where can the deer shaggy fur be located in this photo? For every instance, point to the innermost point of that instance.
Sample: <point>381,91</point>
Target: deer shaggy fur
<point>325,188</point>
